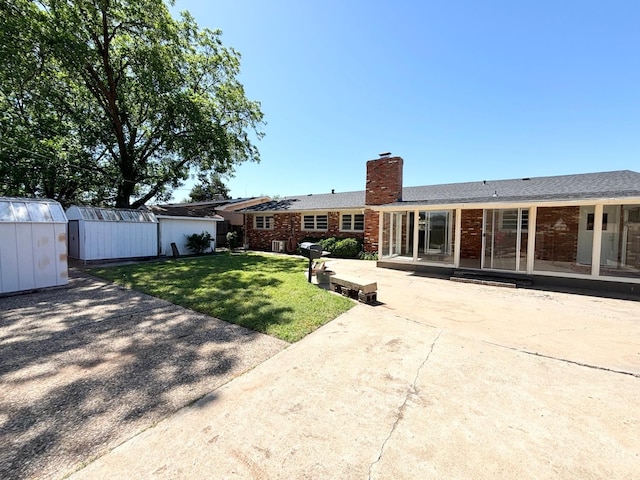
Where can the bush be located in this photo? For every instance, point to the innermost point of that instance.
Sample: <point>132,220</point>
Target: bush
<point>347,248</point>
<point>368,256</point>
<point>232,240</point>
<point>198,243</point>
<point>328,244</point>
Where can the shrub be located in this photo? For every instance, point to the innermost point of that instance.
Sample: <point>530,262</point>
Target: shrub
<point>198,243</point>
<point>368,256</point>
<point>347,248</point>
<point>328,244</point>
<point>232,240</point>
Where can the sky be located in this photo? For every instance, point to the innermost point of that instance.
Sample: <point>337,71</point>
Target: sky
<point>462,90</point>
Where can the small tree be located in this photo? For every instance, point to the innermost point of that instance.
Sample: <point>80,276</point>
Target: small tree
<point>198,243</point>
<point>232,240</point>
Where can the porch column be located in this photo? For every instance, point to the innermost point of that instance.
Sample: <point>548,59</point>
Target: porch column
<point>457,239</point>
<point>531,239</point>
<point>416,236</point>
<point>380,239</point>
<point>597,240</point>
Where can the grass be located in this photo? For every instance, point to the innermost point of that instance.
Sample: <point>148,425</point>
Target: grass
<point>265,293</point>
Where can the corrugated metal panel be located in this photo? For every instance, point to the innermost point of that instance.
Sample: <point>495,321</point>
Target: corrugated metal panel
<point>33,250</point>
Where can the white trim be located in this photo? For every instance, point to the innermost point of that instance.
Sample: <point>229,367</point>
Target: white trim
<point>380,240</point>
<point>597,239</point>
<point>255,222</point>
<point>197,219</point>
<point>531,238</point>
<point>457,241</point>
<point>506,204</point>
<point>416,234</point>
<point>315,216</point>
<point>353,221</point>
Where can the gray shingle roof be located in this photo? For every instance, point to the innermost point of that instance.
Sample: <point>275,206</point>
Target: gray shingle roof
<point>621,183</point>
<point>325,201</point>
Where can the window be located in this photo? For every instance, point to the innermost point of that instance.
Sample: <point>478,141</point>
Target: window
<point>315,222</point>
<point>510,220</point>
<point>39,212</point>
<point>263,222</point>
<point>352,222</point>
<point>591,218</point>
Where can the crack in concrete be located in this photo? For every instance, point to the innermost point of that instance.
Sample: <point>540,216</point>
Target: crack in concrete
<point>410,391</point>
<point>565,360</point>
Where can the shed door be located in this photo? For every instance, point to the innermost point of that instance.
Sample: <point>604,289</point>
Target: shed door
<point>74,239</point>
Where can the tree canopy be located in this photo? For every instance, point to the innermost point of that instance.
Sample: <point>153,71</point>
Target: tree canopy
<point>211,187</point>
<point>114,101</point>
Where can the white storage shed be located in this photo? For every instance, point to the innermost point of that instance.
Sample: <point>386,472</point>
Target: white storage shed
<point>175,229</point>
<point>33,244</point>
<point>111,233</point>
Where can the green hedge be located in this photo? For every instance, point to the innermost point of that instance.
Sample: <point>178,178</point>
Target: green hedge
<point>338,247</point>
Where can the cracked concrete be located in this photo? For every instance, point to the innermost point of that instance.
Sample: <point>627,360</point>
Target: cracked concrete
<point>359,398</point>
<point>410,391</point>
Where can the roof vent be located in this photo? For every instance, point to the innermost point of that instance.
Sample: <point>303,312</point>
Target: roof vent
<point>526,178</point>
<point>385,154</point>
<point>333,191</point>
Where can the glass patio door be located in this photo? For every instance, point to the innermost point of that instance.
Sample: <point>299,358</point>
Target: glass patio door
<point>505,239</point>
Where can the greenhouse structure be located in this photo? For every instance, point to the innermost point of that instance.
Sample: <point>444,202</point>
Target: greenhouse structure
<point>107,233</point>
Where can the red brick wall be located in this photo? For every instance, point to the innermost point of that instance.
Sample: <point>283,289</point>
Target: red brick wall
<point>384,181</point>
<point>371,228</point>
<point>553,243</point>
<point>471,234</point>
<point>287,225</point>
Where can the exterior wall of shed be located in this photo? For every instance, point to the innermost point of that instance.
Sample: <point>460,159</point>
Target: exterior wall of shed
<point>288,226</point>
<point>175,230</point>
<point>32,255</point>
<point>99,240</point>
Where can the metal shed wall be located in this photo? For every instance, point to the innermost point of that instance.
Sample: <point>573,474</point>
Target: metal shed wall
<point>33,254</point>
<point>107,239</point>
<point>175,229</point>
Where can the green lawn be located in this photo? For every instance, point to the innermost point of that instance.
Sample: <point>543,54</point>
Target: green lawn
<point>263,292</point>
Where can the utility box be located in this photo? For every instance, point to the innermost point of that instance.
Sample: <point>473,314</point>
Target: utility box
<point>33,244</point>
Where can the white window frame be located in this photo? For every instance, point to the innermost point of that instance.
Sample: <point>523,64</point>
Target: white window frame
<point>267,222</point>
<point>352,221</point>
<point>315,222</point>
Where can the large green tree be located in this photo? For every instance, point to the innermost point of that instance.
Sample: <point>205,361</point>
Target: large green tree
<point>210,187</point>
<point>114,101</point>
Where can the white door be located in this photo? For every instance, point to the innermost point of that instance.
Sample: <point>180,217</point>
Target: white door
<point>610,235</point>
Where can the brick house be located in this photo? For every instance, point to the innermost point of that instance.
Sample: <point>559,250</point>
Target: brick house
<point>583,226</point>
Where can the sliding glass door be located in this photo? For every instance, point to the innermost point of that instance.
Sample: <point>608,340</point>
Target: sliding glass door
<point>505,239</point>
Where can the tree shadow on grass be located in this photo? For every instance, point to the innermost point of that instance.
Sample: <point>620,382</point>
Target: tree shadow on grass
<point>235,288</point>
<point>85,368</point>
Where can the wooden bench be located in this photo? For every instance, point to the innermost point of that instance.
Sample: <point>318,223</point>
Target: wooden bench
<point>364,290</point>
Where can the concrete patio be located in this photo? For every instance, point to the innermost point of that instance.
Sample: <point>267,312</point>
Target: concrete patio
<point>441,380</point>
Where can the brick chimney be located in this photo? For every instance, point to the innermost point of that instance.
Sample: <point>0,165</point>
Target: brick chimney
<point>384,185</point>
<point>384,180</point>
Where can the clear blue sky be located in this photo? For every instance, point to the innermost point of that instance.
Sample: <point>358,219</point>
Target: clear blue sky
<point>463,90</point>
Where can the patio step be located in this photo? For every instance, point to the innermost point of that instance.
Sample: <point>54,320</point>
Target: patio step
<point>491,278</point>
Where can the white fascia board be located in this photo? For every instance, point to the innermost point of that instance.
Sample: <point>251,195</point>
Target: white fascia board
<point>507,204</point>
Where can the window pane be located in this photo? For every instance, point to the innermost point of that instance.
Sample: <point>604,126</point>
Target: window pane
<point>358,222</point>
<point>39,212</point>
<point>268,222</point>
<point>308,221</point>
<point>322,222</point>
<point>6,214</point>
<point>259,222</point>
<point>346,222</point>
<point>56,212</point>
<point>20,210</point>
